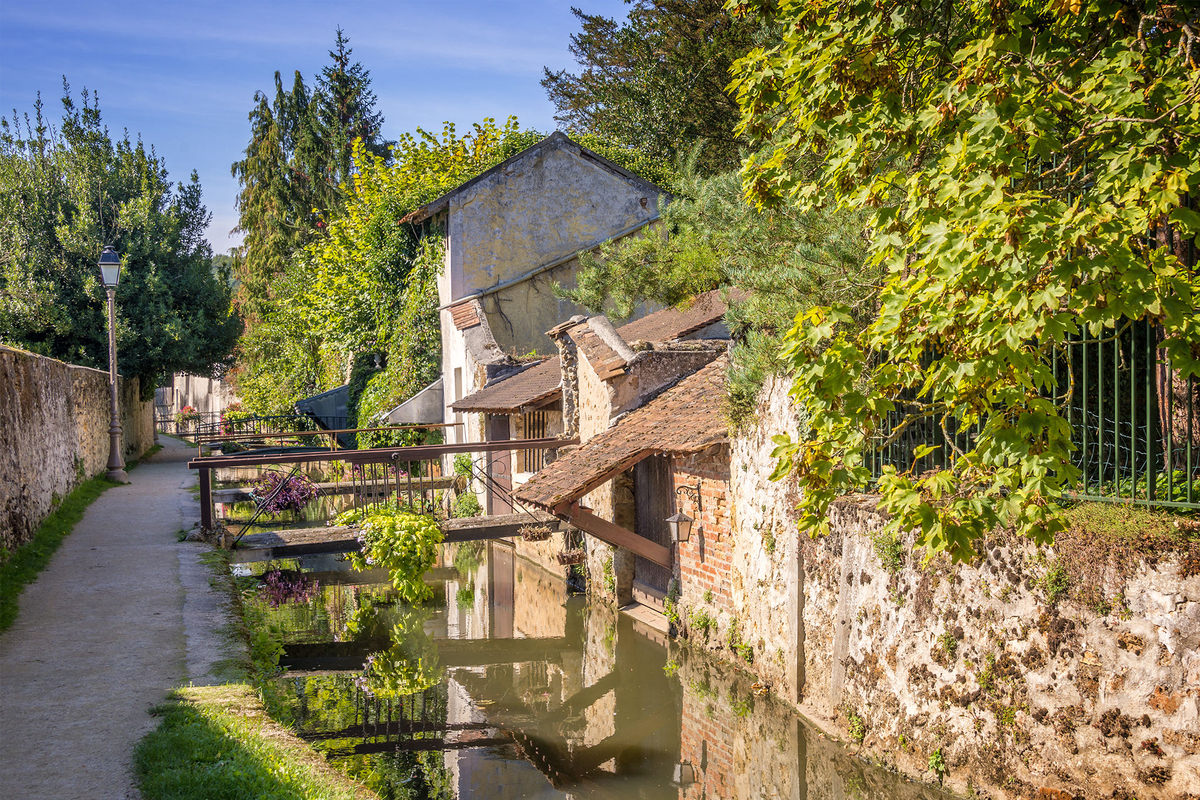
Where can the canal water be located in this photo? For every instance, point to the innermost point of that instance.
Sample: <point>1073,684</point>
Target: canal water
<point>506,685</point>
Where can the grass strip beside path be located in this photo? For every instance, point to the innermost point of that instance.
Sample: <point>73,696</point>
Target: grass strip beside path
<point>217,743</point>
<point>20,568</point>
<point>24,564</point>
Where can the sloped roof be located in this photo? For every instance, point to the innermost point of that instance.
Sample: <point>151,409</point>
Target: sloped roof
<point>529,387</point>
<point>686,418</point>
<point>537,385</point>
<point>671,323</point>
<point>429,209</point>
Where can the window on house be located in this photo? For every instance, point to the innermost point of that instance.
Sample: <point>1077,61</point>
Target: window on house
<point>533,426</point>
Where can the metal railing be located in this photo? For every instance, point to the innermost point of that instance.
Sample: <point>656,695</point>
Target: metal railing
<point>1135,422</point>
<point>413,475</point>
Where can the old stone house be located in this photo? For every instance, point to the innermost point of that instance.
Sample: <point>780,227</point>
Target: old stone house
<point>528,402</point>
<point>653,442</point>
<point>511,233</point>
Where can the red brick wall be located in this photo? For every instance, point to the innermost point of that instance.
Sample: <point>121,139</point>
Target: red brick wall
<point>705,559</point>
<point>706,740</point>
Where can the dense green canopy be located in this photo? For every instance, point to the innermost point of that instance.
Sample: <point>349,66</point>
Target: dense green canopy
<point>1027,167</point>
<point>67,192</point>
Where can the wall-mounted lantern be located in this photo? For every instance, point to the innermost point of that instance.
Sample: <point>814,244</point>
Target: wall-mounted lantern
<point>680,524</point>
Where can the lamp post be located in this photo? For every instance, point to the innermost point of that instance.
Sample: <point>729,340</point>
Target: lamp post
<point>110,274</point>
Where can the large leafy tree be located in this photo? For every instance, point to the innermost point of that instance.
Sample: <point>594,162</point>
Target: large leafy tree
<point>299,166</point>
<point>67,192</point>
<point>1024,164</point>
<point>657,80</point>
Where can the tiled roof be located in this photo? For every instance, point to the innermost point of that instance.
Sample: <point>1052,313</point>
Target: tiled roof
<point>685,419</point>
<point>530,387</point>
<point>671,323</point>
<point>542,383</point>
<point>604,360</point>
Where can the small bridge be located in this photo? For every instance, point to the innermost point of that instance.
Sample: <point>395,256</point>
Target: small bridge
<point>273,545</point>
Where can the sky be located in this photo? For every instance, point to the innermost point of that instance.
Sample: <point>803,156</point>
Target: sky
<point>182,75</point>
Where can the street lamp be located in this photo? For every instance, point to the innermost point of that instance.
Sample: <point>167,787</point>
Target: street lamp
<point>110,275</point>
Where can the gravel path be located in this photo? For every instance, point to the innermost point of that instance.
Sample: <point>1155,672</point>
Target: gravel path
<point>122,615</point>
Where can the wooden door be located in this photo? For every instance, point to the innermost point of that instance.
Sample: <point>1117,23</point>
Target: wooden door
<point>652,489</point>
<point>499,466</point>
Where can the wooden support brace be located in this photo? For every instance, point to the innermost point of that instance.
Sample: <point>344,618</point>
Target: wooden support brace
<point>621,537</point>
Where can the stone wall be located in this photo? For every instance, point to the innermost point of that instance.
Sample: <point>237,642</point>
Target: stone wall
<point>54,420</point>
<point>1018,688</point>
<point>1024,694</point>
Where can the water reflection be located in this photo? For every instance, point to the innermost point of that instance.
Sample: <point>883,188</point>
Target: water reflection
<point>507,686</point>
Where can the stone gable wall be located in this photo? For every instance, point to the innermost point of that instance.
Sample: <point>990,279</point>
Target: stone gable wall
<point>54,420</point>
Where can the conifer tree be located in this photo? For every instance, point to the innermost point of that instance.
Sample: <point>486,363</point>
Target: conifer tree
<point>296,164</point>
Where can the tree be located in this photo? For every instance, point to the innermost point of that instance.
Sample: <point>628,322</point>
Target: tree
<point>658,81</point>
<point>1023,164</point>
<point>299,165</point>
<point>783,260</point>
<point>346,111</point>
<point>66,194</point>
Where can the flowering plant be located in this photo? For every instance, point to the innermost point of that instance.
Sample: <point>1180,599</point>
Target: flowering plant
<point>280,587</point>
<point>297,491</point>
<point>187,415</point>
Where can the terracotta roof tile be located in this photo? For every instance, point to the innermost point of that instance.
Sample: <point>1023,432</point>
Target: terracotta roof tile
<point>685,419</point>
<point>464,315</point>
<point>604,360</point>
<point>671,323</point>
<point>530,387</point>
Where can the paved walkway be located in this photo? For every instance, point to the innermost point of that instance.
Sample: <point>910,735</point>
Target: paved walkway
<point>122,615</point>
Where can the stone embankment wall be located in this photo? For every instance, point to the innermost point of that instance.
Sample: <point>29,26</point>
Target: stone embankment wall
<point>1020,687</point>
<point>1025,689</point>
<point>54,421</point>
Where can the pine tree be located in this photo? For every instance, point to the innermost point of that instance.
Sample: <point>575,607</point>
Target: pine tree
<point>299,158</point>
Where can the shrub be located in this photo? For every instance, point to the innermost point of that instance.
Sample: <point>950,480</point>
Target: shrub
<point>467,505</point>
<point>402,542</point>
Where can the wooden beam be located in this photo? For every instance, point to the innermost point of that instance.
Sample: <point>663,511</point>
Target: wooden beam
<point>621,537</point>
<point>381,455</point>
<point>206,500</point>
<point>498,526</point>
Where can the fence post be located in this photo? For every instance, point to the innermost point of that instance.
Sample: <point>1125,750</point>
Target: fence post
<point>206,505</point>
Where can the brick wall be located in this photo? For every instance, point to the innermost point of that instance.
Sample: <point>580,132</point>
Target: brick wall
<point>705,559</point>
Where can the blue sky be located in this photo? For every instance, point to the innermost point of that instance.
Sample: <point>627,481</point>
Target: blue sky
<point>183,74</point>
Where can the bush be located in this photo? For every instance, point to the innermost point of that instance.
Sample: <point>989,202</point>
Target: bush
<point>402,542</point>
<point>467,505</point>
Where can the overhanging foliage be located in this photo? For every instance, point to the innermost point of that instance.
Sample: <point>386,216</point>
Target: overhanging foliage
<point>1027,167</point>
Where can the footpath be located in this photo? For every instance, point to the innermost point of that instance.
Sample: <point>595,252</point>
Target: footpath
<point>123,614</point>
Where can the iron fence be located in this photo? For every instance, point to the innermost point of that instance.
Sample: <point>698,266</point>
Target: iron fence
<point>1135,422</point>
<point>410,475</point>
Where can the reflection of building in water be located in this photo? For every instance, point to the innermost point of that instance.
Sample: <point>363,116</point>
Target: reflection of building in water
<point>575,702</point>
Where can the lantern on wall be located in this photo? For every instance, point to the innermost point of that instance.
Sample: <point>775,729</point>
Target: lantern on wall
<point>680,524</point>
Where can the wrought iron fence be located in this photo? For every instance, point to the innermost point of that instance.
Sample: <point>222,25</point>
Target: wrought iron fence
<point>1135,422</point>
<point>412,476</point>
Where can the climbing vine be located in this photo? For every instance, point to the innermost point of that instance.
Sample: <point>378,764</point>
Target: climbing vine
<point>1026,167</point>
